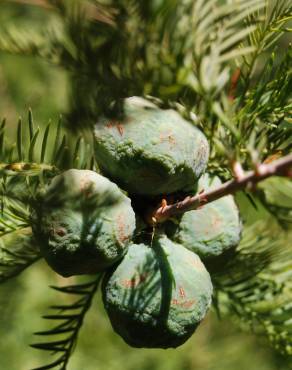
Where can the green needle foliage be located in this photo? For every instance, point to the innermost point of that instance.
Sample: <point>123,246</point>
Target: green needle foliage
<point>258,286</point>
<point>216,62</point>
<point>276,197</point>
<point>70,319</point>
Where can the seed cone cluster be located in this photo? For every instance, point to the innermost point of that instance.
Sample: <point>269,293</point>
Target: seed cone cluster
<point>156,289</point>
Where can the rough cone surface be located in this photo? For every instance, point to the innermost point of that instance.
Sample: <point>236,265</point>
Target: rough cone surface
<point>85,223</point>
<point>213,229</point>
<point>151,151</point>
<point>157,296</point>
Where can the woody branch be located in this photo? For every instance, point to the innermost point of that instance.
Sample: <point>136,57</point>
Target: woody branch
<point>280,167</point>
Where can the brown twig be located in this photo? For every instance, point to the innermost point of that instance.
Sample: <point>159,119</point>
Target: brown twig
<point>233,84</point>
<point>280,167</point>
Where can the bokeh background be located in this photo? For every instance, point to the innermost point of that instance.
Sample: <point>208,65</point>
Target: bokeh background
<point>218,344</point>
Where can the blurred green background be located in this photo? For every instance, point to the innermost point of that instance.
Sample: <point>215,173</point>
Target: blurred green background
<point>217,345</point>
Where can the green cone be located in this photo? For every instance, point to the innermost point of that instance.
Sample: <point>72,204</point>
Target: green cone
<point>157,296</point>
<point>151,151</point>
<point>213,229</point>
<point>84,222</point>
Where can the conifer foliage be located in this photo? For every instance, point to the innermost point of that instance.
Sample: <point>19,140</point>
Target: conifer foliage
<point>215,65</point>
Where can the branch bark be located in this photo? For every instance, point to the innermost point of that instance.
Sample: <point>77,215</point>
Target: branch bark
<point>280,167</point>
